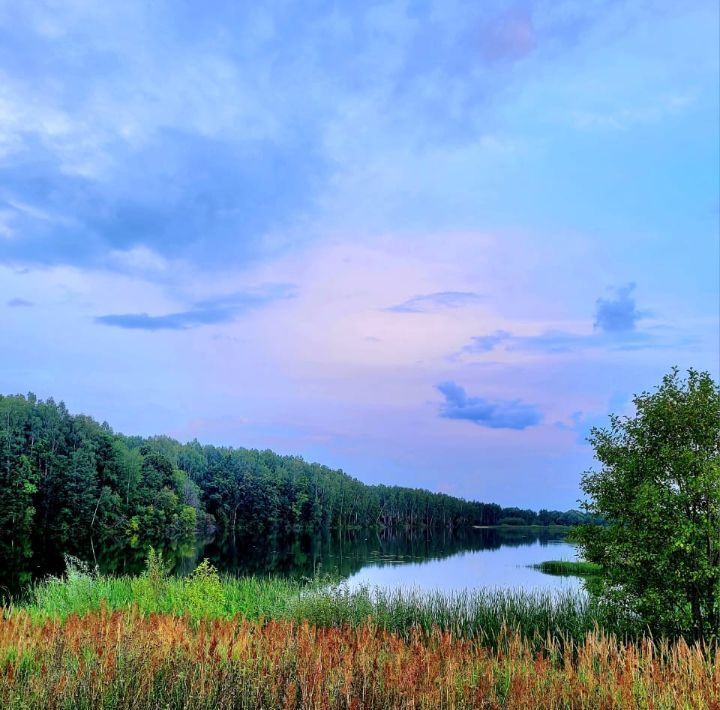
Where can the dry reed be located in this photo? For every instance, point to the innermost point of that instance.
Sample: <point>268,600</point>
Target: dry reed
<point>126,660</point>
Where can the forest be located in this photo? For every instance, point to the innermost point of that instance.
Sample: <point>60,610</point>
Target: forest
<point>70,485</point>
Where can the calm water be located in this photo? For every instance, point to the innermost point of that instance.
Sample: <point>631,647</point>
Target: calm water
<point>448,562</point>
<point>504,567</point>
<point>477,558</point>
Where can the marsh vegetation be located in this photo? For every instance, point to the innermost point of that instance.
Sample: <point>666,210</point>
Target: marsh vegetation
<point>89,641</point>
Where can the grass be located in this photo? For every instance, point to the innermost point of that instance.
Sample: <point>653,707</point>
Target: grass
<point>474,614</point>
<point>567,568</point>
<point>130,660</point>
<point>91,641</point>
<point>203,594</point>
<point>482,614</point>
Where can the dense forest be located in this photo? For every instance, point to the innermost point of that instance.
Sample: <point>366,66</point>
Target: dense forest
<point>71,485</point>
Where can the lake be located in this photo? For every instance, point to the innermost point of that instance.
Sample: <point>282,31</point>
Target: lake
<point>489,557</point>
<point>465,559</point>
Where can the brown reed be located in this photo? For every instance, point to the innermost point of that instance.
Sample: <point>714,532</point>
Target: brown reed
<point>126,660</point>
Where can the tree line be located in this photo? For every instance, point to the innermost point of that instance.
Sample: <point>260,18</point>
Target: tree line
<point>69,484</point>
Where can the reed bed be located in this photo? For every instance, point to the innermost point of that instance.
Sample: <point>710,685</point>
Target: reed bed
<point>114,659</point>
<point>474,614</point>
<point>569,568</point>
<point>481,614</point>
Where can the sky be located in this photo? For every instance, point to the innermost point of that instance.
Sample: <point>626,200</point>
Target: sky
<point>431,243</point>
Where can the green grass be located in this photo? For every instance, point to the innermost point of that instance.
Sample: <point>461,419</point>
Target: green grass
<point>566,568</point>
<point>204,594</point>
<point>483,614</point>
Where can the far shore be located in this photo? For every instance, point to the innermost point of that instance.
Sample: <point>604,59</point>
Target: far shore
<point>522,527</point>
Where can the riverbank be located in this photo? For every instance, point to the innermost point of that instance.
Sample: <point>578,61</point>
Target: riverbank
<point>532,528</point>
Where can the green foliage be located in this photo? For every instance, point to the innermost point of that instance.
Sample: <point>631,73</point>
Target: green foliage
<point>68,485</point>
<point>202,594</point>
<point>78,590</point>
<point>18,487</point>
<point>77,570</point>
<point>151,588</point>
<point>659,491</point>
<point>156,571</point>
<point>204,591</point>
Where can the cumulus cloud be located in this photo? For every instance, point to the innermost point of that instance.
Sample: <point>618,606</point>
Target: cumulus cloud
<point>435,301</point>
<point>495,414</point>
<point>617,314</point>
<point>222,309</point>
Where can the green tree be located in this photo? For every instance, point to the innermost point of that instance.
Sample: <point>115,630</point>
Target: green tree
<point>77,499</point>
<point>659,492</point>
<point>17,511</point>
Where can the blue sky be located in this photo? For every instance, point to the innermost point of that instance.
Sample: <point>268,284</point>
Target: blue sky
<point>430,243</point>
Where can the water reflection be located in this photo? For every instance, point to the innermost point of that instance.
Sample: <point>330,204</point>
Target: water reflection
<point>505,566</point>
<point>441,560</point>
<point>471,558</point>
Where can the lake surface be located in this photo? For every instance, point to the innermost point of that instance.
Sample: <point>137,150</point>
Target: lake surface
<point>467,559</point>
<point>476,558</point>
<point>505,567</point>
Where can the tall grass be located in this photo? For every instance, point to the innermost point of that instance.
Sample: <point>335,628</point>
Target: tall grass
<point>156,641</point>
<point>480,614</point>
<point>130,660</point>
<point>203,594</point>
